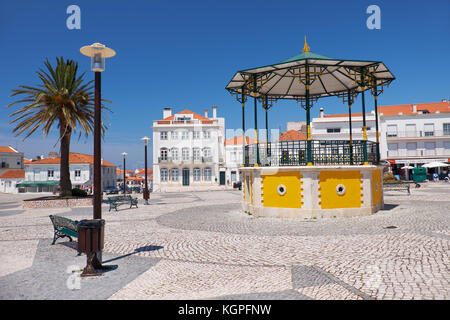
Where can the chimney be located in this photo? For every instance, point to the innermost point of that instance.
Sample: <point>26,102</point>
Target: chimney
<point>414,107</point>
<point>214,108</point>
<point>444,100</point>
<point>53,155</point>
<point>102,161</point>
<point>167,112</point>
<point>321,113</point>
<point>206,113</point>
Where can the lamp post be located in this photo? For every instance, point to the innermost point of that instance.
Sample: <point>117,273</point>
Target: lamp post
<point>98,53</point>
<point>124,176</point>
<point>146,193</point>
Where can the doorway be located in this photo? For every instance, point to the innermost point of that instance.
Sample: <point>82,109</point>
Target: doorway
<point>185,177</point>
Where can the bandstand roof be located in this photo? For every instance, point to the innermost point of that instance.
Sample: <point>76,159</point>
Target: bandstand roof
<point>329,76</point>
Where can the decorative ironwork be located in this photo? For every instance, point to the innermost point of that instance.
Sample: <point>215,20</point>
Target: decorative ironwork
<point>323,152</point>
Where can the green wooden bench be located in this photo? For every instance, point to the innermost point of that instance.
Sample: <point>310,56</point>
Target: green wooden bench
<point>63,227</point>
<point>405,186</point>
<point>116,201</point>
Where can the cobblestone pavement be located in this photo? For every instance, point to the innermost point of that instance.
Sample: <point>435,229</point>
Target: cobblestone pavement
<point>202,246</point>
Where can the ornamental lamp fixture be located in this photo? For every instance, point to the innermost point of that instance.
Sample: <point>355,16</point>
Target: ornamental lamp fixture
<point>98,52</point>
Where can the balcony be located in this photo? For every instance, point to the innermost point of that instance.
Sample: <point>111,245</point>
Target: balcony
<point>185,122</point>
<point>417,134</point>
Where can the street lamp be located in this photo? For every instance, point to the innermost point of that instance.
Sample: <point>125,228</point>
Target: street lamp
<point>98,52</point>
<point>124,177</point>
<point>146,193</point>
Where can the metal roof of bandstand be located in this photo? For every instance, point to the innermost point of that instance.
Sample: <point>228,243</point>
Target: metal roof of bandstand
<point>328,77</point>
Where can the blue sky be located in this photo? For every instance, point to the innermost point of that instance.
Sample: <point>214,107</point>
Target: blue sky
<point>181,54</point>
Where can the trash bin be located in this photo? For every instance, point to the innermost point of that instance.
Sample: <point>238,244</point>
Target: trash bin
<point>419,174</point>
<point>91,235</point>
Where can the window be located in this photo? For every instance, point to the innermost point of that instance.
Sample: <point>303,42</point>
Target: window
<point>50,173</point>
<point>196,174</point>
<point>163,154</point>
<point>174,174</point>
<point>411,148</point>
<point>430,148</point>
<point>428,129</point>
<point>446,127</point>
<point>185,135</point>
<point>206,134</point>
<point>175,153</point>
<point>447,145</point>
<point>392,130</point>
<point>333,130</point>
<point>207,174</point>
<point>392,149</point>
<point>207,152</point>
<point>411,130</point>
<point>163,135</point>
<point>163,174</point>
<point>196,153</point>
<point>185,154</point>
<point>196,134</point>
<point>174,135</point>
<point>77,173</point>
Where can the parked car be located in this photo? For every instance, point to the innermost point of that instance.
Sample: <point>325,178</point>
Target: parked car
<point>237,184</point>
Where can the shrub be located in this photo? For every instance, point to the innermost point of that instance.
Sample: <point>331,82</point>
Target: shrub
<point>76,192</point>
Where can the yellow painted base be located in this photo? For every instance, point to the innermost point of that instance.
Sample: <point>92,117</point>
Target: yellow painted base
<point>312,191</point>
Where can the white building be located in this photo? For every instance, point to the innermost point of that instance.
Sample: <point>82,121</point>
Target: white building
<point>415,134</point>
<point>337,126</point>
<point>10,159</point>
<point>188,151</point>
<point>234,158</point>
<point>43,175</point>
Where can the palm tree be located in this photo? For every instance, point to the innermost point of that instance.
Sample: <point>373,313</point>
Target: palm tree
<point>63,99</point>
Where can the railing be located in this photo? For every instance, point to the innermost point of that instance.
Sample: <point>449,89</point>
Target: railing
<point>189,160</point>
<point>418,134</point>
<point>323,152</point>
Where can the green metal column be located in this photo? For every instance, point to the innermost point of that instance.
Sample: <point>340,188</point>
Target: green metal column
<point>349,97</point>
<point>256,121</point>
<point>266,108</point>
<point>376,124</point>
<point>308,119</point>
<point>243,127</point>
<point>364,118</point>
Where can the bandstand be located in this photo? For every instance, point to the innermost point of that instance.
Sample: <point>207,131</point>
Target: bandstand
<point>311,178</point>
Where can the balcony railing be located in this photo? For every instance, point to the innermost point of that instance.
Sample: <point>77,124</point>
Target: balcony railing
<point>187,160</point>
<point>418,134</point>
<point>323,152</point>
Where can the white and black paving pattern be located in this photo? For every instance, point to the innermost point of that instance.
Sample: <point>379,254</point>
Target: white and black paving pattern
<point>202,246</point>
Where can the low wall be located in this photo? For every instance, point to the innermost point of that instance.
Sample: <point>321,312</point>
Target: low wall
<point>56,203</point>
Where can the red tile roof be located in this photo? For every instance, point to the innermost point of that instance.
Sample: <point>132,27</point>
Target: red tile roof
<point>195,116</point>
<point>292,135</point>
<point>7,149</point>
<point>239,140</point>
<point>407,109</point>
<point>142,171</point>
<point>75,158</point>
<point>13,174</point>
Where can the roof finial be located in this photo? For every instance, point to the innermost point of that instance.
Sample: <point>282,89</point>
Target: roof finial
<point>305,47</point>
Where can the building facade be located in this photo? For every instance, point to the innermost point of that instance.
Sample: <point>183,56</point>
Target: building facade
<point>43,175</point>
<point>234,148</point>
<point>10,159</point>
<point>188,151</point>
<point>415,134</point>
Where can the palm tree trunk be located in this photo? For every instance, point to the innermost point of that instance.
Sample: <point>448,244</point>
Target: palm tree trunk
<point>64,182</point>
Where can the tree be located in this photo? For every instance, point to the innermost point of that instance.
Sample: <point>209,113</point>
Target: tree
<point>63,99</point>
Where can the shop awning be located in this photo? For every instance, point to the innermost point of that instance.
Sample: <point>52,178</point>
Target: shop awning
<point>37,184</point>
